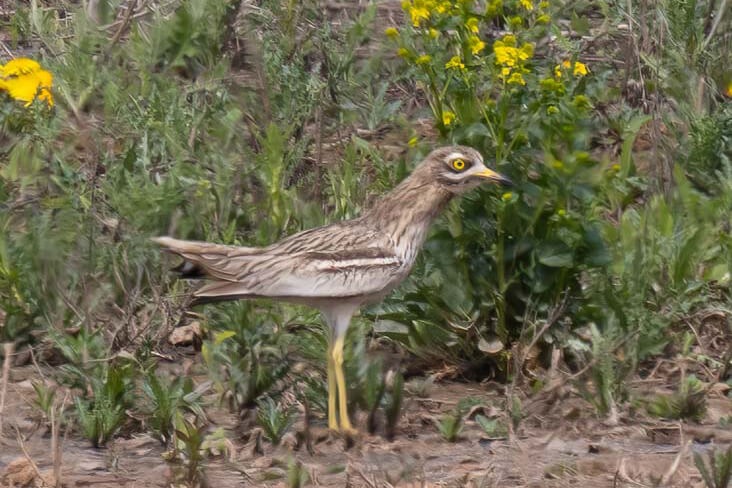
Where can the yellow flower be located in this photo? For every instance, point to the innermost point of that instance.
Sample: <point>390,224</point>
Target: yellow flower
<point>413,141</point>
<point>552,109</point>
<point>506,55</point>
<point>558,68</point>
<point>472,25</point>
<point>442,7</point>
<point>557,165</point>
<point>615,167</point>
<point>543,4</point>
<point>728,91</point>
<point>527,5</point>
<point>455,63</point>
<point>403,52</point>
<point>19,66</point>
<point>447,118</point>
<point>476,45</point>
<point>391,32</point>
<point>543,19</point>
<point>580,69</point>
<point>507,196</point>
<point>434,33</point>
<point>509,40</point>
<point>24,79</point>
<point>418,14</point>
<point>423,59</point>
<point>527,51</point>
<point>516,79</point>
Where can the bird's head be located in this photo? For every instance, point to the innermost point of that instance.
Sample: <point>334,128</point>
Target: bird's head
<point>458,169</point>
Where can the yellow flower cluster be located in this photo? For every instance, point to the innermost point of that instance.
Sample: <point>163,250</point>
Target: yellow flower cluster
<point>475,44</point>
<point>578,69</point>
<point>24,79</point>
<point>455,63</point>
<point>526,4</point>
<point>420,11</point>
<point>512,58</point>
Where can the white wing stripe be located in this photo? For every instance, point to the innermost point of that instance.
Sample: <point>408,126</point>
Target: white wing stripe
<point>357,263</point>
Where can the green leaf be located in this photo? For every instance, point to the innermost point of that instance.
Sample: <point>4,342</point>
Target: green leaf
<point>555,255</point>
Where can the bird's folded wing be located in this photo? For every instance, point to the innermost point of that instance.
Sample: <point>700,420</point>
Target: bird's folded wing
<point>312,274</point>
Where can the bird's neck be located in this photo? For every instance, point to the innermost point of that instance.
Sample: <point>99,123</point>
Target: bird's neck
<point>407,212</point>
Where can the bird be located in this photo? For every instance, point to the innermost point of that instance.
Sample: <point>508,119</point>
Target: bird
<point>340,267</point>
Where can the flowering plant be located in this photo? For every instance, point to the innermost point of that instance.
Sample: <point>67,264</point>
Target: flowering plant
<point>499,77</point>
<point>23,79</point>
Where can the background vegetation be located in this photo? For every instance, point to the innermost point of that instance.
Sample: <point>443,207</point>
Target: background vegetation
<point>241,123</point>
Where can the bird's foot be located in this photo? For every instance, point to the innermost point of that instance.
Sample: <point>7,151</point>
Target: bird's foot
<point>348,436</point>
<point>349,431</point>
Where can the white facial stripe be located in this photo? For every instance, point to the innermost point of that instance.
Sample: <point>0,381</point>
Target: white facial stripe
<point>456,155</point>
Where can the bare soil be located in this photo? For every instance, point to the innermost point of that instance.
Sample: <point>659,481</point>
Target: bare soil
<point>560,442</point>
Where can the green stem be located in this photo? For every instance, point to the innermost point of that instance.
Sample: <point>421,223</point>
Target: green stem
<point>502,285</point>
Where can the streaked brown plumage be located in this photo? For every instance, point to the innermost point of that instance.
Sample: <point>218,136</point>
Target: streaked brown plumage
<point>339,267</point>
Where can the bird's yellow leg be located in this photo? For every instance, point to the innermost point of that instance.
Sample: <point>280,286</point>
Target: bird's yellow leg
<point>332,414</point>
<point>341,383</point>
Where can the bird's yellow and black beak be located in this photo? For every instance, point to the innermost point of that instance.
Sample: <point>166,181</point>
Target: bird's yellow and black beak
<point>494,177</point>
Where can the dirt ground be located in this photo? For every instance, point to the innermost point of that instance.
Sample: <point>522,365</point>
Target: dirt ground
<point>560,442</point>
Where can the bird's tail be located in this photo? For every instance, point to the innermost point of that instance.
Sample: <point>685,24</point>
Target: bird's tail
<point>217,262</point>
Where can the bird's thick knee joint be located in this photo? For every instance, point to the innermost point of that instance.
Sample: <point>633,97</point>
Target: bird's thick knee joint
<point>338,357</point>
<point>337,353</point>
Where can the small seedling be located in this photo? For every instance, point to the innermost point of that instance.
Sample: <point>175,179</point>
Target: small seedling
<point>492,427</point>
<point>99,419</point>
<point>421,387</point>
<point>166,399</point>
<point>451,425</point>
<point>373,391</point>
<point>393,405</point>
<point>689,402</point>
<point>718,473</point>
<point>190,438</point>
<point>45,396</point>
<point>297,475</point>
<point>101,415</point>
<point>274,420</point>
<point>516,412</point>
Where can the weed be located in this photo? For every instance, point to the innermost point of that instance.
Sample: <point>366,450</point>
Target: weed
<point>393,405</point>
<point>45,398</point>
<point>249,350</point>
<point>492,427</point>
<point>689,402</point>
<point>515,411</point>
<point>421,387</point>
<point>373,389</point>
<point>102,414</point>
<point>190,439</point>
<point>274,420</point>
<point>717,471</point>
<point>451,425</point>
<point>297,475</point>
<point>169,399</point>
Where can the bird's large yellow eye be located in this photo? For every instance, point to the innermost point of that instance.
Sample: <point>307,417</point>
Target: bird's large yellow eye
<point>458,164</point>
